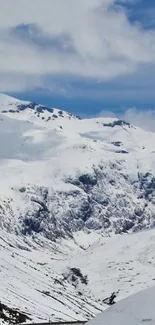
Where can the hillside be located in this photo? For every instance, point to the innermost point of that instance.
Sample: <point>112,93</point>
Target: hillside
<point>68,187</point>
<point>39,279</point>
<point>136,309</point>
<point>60,174</point>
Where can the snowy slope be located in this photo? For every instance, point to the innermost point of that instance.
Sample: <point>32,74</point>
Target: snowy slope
<point>135,310</point>
<point>67,185</point>
<point>34,274</point>
<point>29,283</point>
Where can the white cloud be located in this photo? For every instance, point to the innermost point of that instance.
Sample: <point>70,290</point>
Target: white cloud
<point>10,82</point>
<point>105,44</point>
<point>144,119</point>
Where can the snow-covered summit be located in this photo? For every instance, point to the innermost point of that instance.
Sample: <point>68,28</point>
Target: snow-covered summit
<point>33,112</point>
<point>5,99</point>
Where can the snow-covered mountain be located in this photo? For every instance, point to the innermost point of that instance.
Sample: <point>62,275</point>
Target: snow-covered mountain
<point>66,185</point>
<point>60,174</point>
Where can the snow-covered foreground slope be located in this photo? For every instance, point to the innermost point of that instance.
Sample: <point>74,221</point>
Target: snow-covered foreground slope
<point>137,309</point>
<point>30,283</point>
<point>66,185</point>
<point>36,277</point>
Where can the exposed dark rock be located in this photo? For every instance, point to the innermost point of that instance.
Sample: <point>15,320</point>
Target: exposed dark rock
<point>34,106</point>
<point>22,189</point>
<point>31,224</point>
<point>117,123</point>
<point>12,316</point>
<point>147,185</point>
<point>87,180</point>
<point>75,276</point>
<point>13,111</point>
<point>23,107</point>
<point>78,117</point>
<point>122,151</point>
<point>117,143</point>
<point>42,109</point>
<point>110,300</point>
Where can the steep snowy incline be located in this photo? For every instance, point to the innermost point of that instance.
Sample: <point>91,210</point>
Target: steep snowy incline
<point>30,285</point>
<point>61,281</point>
<point>136,309</point>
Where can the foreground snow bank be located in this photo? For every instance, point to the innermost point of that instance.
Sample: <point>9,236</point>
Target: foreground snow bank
<point>134,310</point>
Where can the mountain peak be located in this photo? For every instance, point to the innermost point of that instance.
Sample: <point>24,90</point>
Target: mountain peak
<point>12,107</point>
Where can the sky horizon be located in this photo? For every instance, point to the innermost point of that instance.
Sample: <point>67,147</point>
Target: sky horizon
<point>85,57</point>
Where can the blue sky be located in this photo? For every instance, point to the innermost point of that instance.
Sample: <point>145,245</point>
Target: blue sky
<point>141,11</point>
<point>85,57</point>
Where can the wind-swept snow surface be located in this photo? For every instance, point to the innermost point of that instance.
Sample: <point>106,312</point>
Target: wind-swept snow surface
<point>67,185</point>
<point>136,309</point>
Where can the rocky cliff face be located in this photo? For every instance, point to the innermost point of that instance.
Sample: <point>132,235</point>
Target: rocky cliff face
<point>107,201</point>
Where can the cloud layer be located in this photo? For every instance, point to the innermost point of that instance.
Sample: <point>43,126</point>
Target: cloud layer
<point>92,39</point>
<point>144,119</point>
